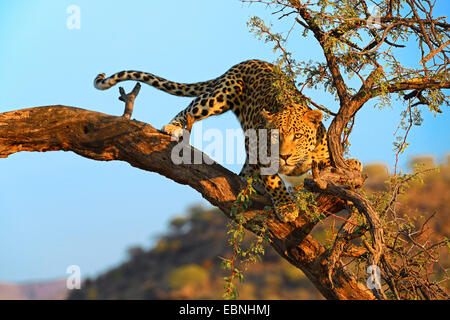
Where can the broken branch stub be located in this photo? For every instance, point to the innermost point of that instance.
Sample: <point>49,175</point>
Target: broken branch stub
<point>129,99</point>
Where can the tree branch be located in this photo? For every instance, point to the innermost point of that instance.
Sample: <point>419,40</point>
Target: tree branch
<point>332,61</point>
<point>103,137</point>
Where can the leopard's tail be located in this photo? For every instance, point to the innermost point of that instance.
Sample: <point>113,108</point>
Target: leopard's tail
<point>178,89</point>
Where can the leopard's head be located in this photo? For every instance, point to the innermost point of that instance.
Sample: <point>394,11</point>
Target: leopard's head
<point>297,136</point>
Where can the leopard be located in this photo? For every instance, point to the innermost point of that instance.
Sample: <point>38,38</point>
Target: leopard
<point>249,90</point>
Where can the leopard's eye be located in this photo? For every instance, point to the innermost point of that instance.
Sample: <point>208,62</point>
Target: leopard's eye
<point>298,136</point>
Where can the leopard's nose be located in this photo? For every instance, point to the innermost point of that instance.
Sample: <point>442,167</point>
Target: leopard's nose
<point>285,156</point>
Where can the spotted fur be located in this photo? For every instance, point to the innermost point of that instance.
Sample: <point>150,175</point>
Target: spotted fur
<point>248,90</point>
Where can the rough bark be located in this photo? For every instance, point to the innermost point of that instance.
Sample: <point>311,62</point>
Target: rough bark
<point>104,137</point>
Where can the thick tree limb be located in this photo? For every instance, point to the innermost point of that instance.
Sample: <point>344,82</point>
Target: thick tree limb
<point>103,137</point>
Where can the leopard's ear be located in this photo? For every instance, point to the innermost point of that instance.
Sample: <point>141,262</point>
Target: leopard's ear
<point>314,116</point>
<point>269,116</point>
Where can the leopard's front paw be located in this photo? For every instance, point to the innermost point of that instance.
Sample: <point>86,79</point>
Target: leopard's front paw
<point>287,212</point>
<point>175,131</point>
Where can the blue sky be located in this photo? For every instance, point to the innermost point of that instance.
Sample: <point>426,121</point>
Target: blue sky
<point>58,209</point>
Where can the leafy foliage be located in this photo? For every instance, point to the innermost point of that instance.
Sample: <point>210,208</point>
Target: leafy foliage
<point>236,233</point>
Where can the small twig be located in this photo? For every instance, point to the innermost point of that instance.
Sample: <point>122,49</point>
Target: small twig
<point>129,100</point>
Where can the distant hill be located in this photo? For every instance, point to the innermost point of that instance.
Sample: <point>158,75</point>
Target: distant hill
<point>185,263</point>
<point>52,290</point>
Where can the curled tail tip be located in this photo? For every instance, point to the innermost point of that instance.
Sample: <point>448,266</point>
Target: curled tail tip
<point>98,82</point>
